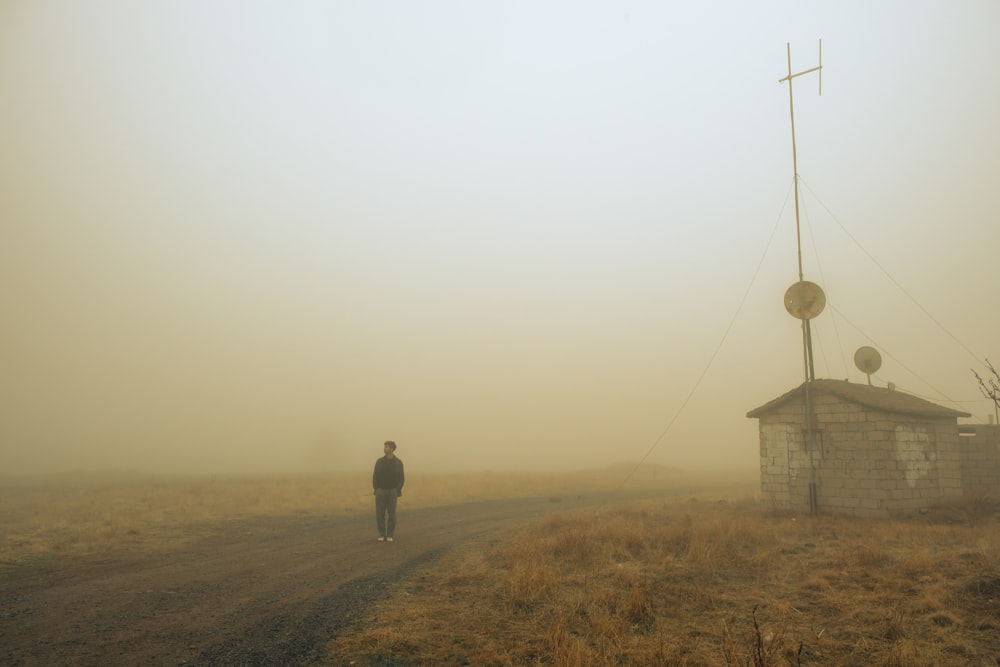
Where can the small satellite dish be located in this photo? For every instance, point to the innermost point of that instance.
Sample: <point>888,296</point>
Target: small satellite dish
<point>868,360</point>
<point>805,300</point>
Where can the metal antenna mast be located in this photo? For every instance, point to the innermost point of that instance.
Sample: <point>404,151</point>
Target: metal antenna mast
<point>806,329</point>
<point>804,300</point>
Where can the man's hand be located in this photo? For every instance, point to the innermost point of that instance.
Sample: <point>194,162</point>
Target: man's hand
<point>398,493</point>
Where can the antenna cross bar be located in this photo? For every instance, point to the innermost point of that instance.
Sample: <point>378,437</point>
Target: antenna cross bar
<point>792,76</point>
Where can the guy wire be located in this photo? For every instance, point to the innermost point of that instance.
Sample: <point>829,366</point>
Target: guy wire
<point>715,353</point>
<point>893,280</point>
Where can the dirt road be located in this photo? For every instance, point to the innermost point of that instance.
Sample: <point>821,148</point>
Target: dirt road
<point>249,592</point>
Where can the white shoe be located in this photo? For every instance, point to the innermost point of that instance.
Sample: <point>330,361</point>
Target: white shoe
<point>388,539</point>
<point>382,539</point>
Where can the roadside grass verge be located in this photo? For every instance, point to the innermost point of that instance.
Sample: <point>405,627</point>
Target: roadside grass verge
<point>697,582</point>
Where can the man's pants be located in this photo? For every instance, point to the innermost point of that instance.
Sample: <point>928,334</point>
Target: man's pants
<point>385,503</point>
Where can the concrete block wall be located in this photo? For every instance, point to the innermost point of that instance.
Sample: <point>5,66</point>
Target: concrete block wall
<point>785,462</point>
<point>867,463</point>
<point>979,446</point>
<point>777,442</point>
<point>874,464</point>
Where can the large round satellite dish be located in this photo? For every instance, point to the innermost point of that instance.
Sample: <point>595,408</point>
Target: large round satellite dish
<point>805,300</point>
<point>867,359</point>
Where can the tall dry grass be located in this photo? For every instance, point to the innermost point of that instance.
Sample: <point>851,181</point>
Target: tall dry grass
<point>94,513</point>
<point>88,514</point>
<point>698,583</point>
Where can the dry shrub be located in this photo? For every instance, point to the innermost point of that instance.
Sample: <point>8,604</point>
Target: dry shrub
<point>869,557</point>
<point>911,653</point>
<point>529,582</point>
<point>718,535</point>
<point>987,550</point>
<point>564,539</point>
<point>748,644</point>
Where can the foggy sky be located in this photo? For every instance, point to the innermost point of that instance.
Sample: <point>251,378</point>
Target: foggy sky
<point>250,237</point>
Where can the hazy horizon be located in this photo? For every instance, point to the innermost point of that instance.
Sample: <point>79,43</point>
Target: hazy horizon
<point>254,238</point>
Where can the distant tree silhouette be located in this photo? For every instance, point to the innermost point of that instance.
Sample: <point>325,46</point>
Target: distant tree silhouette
<point>990,386</point>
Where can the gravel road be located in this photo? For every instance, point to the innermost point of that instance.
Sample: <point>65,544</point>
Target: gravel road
<point>270,591</point>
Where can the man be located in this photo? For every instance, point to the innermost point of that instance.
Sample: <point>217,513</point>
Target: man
<point>387,483</point>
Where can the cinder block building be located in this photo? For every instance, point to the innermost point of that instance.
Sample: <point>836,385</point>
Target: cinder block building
<point>870,451</point>
<point>980,444</point>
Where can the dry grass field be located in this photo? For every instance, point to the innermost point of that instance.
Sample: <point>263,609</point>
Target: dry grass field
<point>710,576</point>
<point>87,514</point>
<point>701,582</point>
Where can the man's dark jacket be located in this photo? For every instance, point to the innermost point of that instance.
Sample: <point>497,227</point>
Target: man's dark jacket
<point>388,474</point>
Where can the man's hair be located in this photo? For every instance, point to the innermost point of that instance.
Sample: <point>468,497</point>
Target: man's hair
<point>390,443</point>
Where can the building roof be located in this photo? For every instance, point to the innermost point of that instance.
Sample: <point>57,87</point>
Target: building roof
<point>877,398</point>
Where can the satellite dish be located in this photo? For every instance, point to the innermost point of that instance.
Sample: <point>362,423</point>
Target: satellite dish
<point>868,360</point>
<point>805,300</point>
